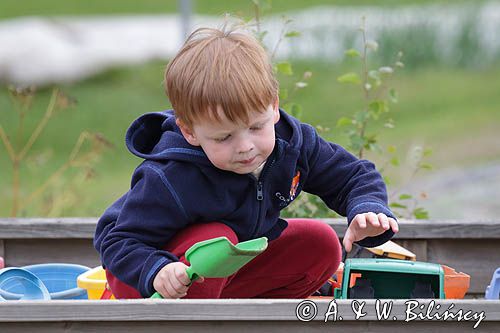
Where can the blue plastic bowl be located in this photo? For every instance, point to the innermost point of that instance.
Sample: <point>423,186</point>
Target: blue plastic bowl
<point>23,281</point>
<point>60,280</point>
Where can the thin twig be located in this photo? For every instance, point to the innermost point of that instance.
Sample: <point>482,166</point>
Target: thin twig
<point>78,145</point>
<point>257,18</point>
<point>365,90</point>
<point>20,129</point>
<point>14,102</point>
<point>16,181</point>
<point>22,115</point>
<point>42,188</point>
<point>364,63</point>
<point>410,178</point>
<point>8,144</point>
<point>41,125</point>
<point>76,149</point>
<point>280,39</point>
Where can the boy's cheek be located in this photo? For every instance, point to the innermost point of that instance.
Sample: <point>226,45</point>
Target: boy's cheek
<point>215,161</point>
<point>218,159</point>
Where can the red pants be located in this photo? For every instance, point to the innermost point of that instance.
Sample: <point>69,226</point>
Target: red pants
<point>294,265</point>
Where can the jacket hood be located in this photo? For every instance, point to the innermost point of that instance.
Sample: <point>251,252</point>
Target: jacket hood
<point>155,136</point>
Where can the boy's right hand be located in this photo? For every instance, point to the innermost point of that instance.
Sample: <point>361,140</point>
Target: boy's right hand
<point>172,281</point>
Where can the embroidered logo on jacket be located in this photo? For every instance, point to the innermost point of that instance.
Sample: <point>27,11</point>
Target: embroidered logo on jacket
<point>293,191</point>
<point>295,185</point>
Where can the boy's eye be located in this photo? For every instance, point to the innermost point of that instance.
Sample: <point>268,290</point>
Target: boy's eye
<point>256,128</point>
<point>222,139</point>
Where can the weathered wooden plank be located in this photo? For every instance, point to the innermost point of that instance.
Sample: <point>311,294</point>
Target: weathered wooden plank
<point>469,256</point>
<point>435,229</point>
<point>417,246</point>
<point>47,227</point>
<point>454,230</point>
<point>85,227</point>
<point>245,326</point>
<point>463,246</point>
<point>21,252</point>
<point>245,310</point>
<point>478,258</point>
<point>243,315</point>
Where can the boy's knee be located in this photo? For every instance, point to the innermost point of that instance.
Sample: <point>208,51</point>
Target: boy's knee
<point>328,244</point>
<point>321,243</point>
<point>204,231</point>
<point>219,229</point>
<point>328,251</point>
<point>199,232</point>
<point>321,233</point>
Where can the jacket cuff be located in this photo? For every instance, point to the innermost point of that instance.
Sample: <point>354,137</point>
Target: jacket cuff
<point>153,265</point>
<point>374,207</point>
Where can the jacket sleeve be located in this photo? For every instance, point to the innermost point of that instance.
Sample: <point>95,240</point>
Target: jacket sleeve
<point>346,184</point>
<point>131,233</point>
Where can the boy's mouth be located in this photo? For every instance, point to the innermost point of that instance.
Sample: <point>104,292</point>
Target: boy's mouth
<point>248,161</point>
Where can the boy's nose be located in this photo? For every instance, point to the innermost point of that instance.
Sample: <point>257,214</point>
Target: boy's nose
<point>245,147</point>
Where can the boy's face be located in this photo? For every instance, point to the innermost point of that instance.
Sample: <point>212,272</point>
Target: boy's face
<point>236,147</point>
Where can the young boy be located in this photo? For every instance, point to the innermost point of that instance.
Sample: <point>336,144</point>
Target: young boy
<point>224,163</point>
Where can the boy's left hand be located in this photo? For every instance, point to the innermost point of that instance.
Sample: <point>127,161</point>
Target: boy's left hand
<point>367,225</point>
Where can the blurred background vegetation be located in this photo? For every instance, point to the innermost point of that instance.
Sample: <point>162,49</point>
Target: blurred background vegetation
<point>13,8</point>
<point>452,107</point>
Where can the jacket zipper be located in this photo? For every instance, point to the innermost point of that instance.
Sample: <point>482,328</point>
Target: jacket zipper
<point>260,185</point>
<point>260,194</point>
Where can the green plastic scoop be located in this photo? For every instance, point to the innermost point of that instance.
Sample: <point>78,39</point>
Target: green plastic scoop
<point>218,257</point>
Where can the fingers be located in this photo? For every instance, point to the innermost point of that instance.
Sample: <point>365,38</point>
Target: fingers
<point>368,225</point>
<point>394,225</point>
<point>383,220</point>
<point>177,286</point>
<point>372,219</point>
<point>181,275</point>
<point>357,226</point>
<point>172,281</point>
<point>359,221</point>
<point>171,289</point>
<point>348,240</point>
<point>166,291</point>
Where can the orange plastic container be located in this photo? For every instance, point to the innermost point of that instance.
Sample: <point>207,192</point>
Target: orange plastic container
<point>455,284</point>
<point>340,275</point>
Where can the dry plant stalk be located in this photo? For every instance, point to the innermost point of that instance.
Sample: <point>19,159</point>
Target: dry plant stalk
<point>22,99</point>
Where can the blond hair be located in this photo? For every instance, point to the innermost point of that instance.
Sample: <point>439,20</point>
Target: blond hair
<point>216,69</point>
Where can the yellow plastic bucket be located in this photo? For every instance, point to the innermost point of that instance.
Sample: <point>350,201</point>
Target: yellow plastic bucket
<point>94,281</point>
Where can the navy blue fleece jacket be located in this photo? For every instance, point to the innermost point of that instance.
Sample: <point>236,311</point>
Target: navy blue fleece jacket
<point>177,185</point>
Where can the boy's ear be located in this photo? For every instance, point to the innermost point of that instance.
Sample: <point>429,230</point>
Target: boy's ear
<point>187,133</point>
<point>276,110</point>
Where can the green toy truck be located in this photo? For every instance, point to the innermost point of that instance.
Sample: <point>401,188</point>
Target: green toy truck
<point>390,278</point>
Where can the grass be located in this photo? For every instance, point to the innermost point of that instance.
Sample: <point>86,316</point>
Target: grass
<point>454,111</point>
<point>15,8</point>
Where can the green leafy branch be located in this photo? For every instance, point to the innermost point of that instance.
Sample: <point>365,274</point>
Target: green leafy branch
<point>407,204</point>
<point>376,97</point>
<point>378,94</point>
